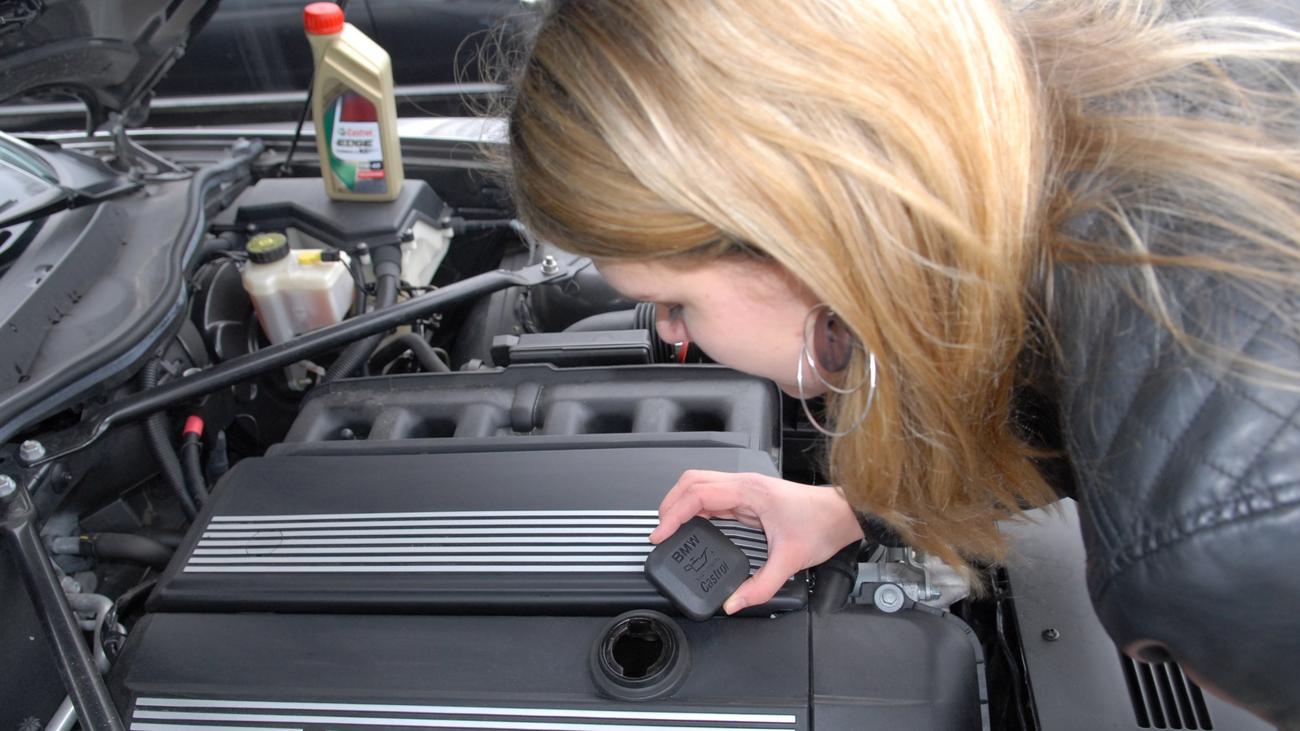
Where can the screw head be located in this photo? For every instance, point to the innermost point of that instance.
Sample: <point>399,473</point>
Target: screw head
<point>1051,634</point>
<point>550,264</point>
<point>7,487</point>
<point>888,598</point>
<point>30,451</point>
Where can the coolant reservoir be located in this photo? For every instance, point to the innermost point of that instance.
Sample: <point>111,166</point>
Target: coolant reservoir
<point>294,291</point>
<point>354,109</point>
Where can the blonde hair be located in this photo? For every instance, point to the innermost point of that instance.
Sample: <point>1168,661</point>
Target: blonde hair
<point>915,164</point>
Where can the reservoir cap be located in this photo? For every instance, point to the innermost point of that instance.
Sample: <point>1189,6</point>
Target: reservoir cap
<point>267,248</point>
<point>697,568</point>
<point>322,19</point>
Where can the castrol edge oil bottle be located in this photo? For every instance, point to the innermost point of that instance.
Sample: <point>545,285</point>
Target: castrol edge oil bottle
<point>354,110</point>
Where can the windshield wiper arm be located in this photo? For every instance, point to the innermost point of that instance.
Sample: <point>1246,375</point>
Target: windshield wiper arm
<point>75,198</point>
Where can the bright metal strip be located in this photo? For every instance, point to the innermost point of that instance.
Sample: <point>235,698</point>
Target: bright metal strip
<point>475,710</point>
<point>445,514</point>
<point>233,560</point>
<point>740,529</point>
<point>438,550</point>
<point>449,541</point>
<point>403,553</point>
<point>204,727</point>
<point>531,550</point>
<point>431,532</point>
<point>547,541</point>
<point>432,522</point>
<point>417,722</point>
<point>420,569</point>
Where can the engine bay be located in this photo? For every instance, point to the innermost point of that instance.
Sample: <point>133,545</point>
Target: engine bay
<point>275,461</point>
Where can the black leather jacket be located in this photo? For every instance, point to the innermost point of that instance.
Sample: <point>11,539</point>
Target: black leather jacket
<point>1188,477</point>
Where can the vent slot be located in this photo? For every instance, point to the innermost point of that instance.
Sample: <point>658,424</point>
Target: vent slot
<point>1163,697</point>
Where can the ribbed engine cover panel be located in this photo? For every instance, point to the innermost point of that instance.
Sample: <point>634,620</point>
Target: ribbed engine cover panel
<point>431,532</point>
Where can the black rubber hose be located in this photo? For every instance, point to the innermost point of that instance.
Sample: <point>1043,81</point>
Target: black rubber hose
<point>126,547</point>
<point>359,285</point>
<point>423,352</point>
<point>170,539</point>
<point>192,467</point>
<point>227,241</point>
<point>835,579</point>
<point>155,429</point>
<point>645,318</point>
<point>461,226</point>
<point>387,262</point>
<point>617,320</point>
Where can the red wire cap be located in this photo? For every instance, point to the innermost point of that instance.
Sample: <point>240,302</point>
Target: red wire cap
<point>322,19</point>
<point>193,425</point>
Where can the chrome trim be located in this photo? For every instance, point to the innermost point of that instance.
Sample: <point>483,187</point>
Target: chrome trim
<point>437,523</point>
<point>466,541</point>
<point>445,514</point>
<point>205,727</point>
<point>475,710</point>
<point>408,559</point>
<point>418,569</point>
<point>416,540</point>
<point>532,550</point>
<point>430,531</point>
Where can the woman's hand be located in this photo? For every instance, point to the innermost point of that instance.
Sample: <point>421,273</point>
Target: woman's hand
<point>805,525</point>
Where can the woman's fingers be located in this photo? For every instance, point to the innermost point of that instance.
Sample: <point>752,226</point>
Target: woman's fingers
<point>804,525</point>
<point>765,582</point>
<point>709,494</point>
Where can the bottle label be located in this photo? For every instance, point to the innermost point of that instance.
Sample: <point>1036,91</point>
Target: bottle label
<point>355,150</point>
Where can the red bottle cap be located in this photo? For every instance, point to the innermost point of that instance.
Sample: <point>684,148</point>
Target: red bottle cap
<point>322,19</point>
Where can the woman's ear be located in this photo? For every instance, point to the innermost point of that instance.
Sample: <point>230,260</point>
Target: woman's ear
<point>832,342</point>
<point>668,322</point>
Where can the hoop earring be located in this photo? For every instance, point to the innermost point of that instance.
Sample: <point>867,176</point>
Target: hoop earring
<point>806,356</point>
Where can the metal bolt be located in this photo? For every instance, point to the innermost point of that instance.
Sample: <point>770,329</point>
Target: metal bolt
<point>888,598</point>
<point>550,265</point>
<point>7,487</point>
<point>1051,634</point>
<point>30,451</point>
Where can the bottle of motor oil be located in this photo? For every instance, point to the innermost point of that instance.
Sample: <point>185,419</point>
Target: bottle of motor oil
<point>354,108</point>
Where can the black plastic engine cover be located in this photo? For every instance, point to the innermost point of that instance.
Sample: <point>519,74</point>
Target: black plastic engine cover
<point>507,532</point>
<point>854,670</point>
<point>275,204</point>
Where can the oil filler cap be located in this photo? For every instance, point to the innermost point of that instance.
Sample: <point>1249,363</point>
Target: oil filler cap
<point>697,568</point>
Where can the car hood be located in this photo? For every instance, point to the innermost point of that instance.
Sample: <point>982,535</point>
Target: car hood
<point>107,53</point>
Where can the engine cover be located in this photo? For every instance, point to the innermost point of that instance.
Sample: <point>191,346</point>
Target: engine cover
<point>549,531</point>
<point>465,551</point>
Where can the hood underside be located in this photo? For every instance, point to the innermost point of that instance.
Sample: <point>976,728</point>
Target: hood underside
<point>107,53</point>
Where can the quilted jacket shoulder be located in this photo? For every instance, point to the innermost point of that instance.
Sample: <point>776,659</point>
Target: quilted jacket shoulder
<point>1188,474</point>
